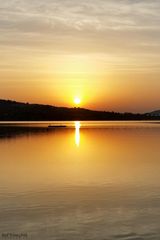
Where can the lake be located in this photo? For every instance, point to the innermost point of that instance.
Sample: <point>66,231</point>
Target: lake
<point>88,181</point>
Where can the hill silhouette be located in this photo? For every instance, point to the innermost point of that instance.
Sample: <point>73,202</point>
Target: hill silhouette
<point>155,113</point>
<point>18,111</point>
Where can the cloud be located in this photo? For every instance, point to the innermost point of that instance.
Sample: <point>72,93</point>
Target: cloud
<point>79,15</point>
<point>118,28</point>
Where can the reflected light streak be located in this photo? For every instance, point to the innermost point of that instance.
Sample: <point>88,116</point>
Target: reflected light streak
<point>77,133</point>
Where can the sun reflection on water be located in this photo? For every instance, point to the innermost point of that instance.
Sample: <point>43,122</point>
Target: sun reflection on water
<point>77,133</point>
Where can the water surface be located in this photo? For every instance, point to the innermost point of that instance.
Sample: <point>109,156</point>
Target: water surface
<point>89,181</point>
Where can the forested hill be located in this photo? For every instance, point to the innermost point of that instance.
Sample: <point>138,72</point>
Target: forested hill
<point>17,111</point>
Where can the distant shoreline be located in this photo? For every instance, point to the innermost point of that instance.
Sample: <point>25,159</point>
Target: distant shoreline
<point>16,111</point>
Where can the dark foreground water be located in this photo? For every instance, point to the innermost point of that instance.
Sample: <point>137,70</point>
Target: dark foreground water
<point>89,181</point>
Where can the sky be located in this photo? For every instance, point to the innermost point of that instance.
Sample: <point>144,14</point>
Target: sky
<point>106,52</point>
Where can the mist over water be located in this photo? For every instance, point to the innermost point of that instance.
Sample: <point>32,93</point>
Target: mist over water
<point>89,181</point>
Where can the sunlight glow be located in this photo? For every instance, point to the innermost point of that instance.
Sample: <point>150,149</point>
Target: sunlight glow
<point>77,133</point>
<point>77,100</point>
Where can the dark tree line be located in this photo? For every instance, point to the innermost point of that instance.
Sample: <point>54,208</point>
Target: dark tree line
<point>15,111</point>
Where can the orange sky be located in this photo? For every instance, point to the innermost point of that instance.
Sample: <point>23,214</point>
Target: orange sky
<point>105,52</point>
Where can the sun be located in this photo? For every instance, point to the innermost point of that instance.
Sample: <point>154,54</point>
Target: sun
<point>77,100</point>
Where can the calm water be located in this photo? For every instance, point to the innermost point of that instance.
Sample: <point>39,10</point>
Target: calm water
<point>89,181</point>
